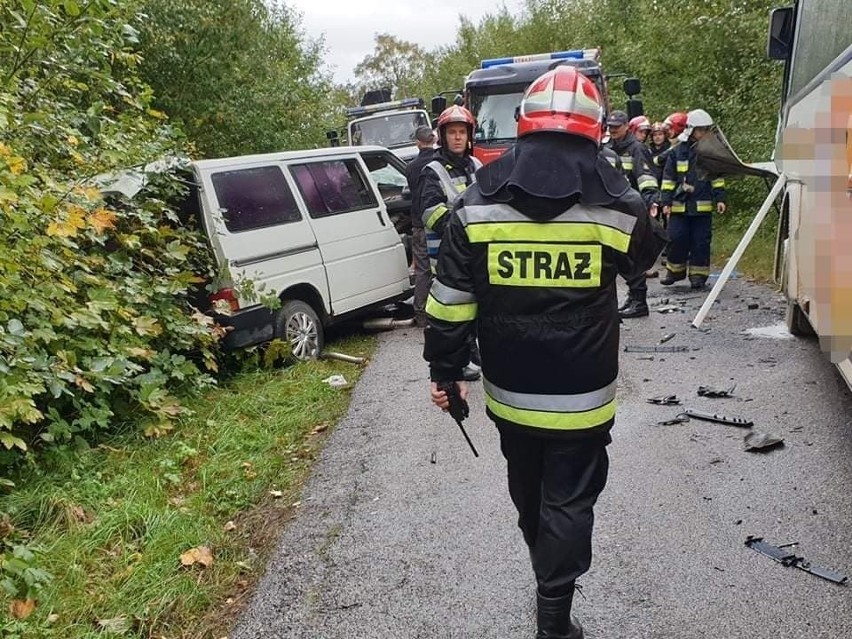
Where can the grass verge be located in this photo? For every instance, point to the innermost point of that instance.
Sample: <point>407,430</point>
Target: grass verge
<point>113,521</point>
<point>757,261</point>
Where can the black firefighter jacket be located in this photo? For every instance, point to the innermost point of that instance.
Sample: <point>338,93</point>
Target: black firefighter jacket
<point>539,285</point>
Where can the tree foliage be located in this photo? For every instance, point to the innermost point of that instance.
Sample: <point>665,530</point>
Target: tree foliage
<point>395,64</point>
<point>95,324</point>
<point>237,75</point>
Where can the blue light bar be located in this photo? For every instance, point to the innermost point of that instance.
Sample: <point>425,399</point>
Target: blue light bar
<point>360,111</point>
<point>575,54</point>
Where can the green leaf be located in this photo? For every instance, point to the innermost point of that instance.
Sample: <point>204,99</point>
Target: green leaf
<point>71,8</point>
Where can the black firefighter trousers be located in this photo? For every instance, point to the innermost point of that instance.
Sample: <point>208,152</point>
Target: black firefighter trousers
<point>554,484</point>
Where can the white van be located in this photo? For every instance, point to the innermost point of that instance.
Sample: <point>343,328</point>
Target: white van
<point>326,230</point>
<point>314,227</point>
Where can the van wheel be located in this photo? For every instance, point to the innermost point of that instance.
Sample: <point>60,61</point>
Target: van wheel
<point>298,324</point>
<point>797,321</point>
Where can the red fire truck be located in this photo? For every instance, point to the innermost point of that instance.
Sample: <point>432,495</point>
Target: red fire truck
<point>494,91</point>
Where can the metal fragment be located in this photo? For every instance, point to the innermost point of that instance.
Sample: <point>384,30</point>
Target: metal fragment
<point>790,559</point>
<point>721,419</point>
<point>656,349</point>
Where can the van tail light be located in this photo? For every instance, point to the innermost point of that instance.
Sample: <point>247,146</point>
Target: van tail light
<point>228,295</point>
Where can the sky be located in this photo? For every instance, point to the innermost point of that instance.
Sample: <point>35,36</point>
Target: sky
<point>349,26</point>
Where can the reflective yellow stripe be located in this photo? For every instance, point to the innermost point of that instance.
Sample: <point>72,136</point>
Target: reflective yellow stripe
<point>646,182</point>
<point>548,232</point>
<point>676,269</point>
<point>450,312</point>
<point>699,270</point>
<point>678,207</point>
<point>550,420</point>
<point>668,185</point>
<point>702,207</point>
<point>627,165</point>
<point>682,166</point>
<point>718,183</point>
<point>434,216</point>
<point>544,265</point>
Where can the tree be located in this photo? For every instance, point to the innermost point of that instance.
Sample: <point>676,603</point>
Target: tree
<point>394,63</point>
<point>238,75</point>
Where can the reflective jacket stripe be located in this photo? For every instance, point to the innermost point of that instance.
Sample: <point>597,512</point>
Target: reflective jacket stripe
<point>450,312</point>
<point>448,295</point>
<point>552,420</point>
<point>704,206</point>
<point>549,231</point>
<point>452,187</point>
<point>678,207</point>
<point>647,182</point>
<point>432,214</point>
<point>718,183</point>
<point>574,403</point>
<point>682,166</point>
<point>668,185</point>
<point>580,213</point>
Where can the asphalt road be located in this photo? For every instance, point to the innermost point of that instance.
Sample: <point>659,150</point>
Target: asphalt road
<point>389,544</point>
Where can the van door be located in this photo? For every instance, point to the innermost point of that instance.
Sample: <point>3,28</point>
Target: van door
<point>258,230</point>
<point>362,253</point>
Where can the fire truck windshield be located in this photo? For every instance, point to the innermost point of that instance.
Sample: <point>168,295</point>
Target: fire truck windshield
<point>495,114</point>
<point>392,130</point>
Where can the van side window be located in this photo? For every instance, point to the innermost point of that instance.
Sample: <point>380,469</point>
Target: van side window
<point>254,198</point>
<point>332,187</point>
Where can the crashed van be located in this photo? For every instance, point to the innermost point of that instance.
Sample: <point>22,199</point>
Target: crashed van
<point>316,228</point>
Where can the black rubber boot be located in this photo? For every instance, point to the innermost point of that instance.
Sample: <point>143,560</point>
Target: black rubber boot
<point>627,302</point>
<point>697,281</point>
<point>638,307</point>
<point>555,620</point>
<point>671,278</point>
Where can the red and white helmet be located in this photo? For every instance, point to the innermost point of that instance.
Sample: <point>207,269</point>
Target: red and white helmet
<point>453,114</point>
<point>639,123</point>
<point>676,123</point>
<point>562,100</point>
<point>658,126</point>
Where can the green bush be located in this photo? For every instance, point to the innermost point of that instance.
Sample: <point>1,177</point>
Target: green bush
<point>95,321</point>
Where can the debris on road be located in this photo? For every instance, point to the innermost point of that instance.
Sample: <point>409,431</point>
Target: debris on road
<point>664,400</point>
<point>656,349</point>
<point>710,391</point>
<point>666,338</point>
<point>669,308</point>
<point>785,557</point>
<point>678,419</point>
<point>721,419</point>
<point>758,440</point>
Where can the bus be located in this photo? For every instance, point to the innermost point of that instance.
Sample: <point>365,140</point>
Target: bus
<point>813,151</point>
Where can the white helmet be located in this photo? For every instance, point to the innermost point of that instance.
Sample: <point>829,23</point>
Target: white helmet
<point>695,118</point>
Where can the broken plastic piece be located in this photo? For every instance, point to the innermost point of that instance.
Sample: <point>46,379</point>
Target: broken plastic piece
<point>656,349</point>
<point>721,419</point>
<point>679,419</point>
<point>664,400</point>
<point>787,558</point>
<point>336,381</point>
<point>758,440</point>
<point>709,391</point>
<point>669,308</point>
<point>666,338</point>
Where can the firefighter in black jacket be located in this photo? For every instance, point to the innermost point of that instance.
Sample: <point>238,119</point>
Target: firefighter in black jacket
<point>636,165</point>
<point>442,181</point>
<point>425,139</point>
<point>689,203</point>
<point>529,259</point>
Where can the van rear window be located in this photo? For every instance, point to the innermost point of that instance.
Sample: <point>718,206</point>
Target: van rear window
<point>254,198</point>
<point>332,187</point>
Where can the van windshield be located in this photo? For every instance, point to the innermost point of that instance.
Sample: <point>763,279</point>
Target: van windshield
<point>392,130</point>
